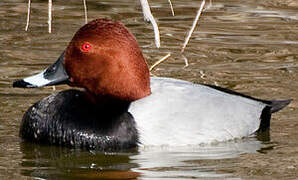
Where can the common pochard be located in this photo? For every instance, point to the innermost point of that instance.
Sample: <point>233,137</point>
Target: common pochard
<point>122,107</point>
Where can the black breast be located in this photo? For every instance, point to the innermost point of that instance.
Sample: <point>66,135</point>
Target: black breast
<point>68,118</point>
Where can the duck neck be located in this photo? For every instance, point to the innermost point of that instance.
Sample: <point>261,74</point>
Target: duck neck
<point>108,102</point>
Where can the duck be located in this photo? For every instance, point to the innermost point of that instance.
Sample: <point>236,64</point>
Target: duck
<point>116,105</point>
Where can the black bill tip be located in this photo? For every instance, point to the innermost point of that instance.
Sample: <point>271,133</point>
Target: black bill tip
<point>20,83</point>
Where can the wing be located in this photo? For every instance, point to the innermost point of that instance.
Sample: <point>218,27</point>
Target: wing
<point>182,113</point>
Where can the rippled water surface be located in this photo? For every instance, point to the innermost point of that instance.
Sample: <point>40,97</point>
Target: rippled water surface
<point>248,46</point>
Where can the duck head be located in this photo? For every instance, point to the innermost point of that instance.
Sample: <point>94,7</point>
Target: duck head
<point>104,58</point>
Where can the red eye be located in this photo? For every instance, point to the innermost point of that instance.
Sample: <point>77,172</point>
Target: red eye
<point>86,47</point>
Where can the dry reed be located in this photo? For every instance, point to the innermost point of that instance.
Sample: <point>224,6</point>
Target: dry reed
<point>193,25</point>
<point>50,16</point>
<point>28,15</point>
<point>171,6</point>
<point>149,17</point>
<point>159,61</point>
<point>85,11</point>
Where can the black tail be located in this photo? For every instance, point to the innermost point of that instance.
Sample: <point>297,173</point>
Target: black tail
<point>272,107</point>
<point>277,105</point>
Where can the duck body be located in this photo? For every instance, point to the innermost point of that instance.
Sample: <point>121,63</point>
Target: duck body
<point>122,107</point>
<point>177,113</point>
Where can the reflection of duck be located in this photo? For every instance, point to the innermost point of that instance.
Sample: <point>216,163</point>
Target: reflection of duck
<point>52,162</point>
<point>187,161</point>
<point>123,107</point>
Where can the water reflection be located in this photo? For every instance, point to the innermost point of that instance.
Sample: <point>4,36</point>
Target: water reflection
<point>148,162</point>
<point>48,162</point>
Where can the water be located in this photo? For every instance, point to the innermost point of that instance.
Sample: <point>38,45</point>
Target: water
<point>247,46</point>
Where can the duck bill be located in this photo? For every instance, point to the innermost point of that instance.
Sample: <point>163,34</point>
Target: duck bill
<point>53,75</point>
